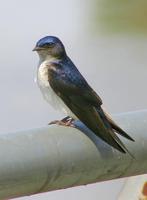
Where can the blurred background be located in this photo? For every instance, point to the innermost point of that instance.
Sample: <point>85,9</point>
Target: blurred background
<point>107,41</point>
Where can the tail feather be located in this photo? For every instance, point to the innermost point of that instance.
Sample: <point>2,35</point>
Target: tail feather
<point>95,120</point>
<point>115,137</point>
<point>117,129</point>
<point>112,128</point>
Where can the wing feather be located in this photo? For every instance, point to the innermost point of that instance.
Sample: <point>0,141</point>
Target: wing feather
<point>86,105</point>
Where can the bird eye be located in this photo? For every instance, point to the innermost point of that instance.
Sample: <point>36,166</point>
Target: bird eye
<point>48,44</point>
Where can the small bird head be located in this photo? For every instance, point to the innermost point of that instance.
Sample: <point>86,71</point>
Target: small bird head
<point>50,47</point>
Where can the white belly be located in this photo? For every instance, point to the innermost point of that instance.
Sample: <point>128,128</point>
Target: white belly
<point>48,93</point>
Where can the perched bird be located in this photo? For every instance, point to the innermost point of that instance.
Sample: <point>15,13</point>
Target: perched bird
<point>63,86</point>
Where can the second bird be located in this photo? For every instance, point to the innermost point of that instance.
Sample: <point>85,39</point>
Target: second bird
<point>63,86</point>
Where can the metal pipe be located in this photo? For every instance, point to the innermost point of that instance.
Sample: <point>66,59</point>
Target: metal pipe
<point>56,157</point>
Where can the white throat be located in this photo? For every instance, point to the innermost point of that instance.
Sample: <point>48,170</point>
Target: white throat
<point>43,83</point>
<point>45,56</point>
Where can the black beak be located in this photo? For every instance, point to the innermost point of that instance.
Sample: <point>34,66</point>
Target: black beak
<point>38,48</point>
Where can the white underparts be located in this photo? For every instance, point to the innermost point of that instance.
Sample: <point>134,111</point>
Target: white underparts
<point>48,93</point>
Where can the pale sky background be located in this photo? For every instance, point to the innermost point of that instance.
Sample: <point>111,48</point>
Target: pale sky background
<point>115,66</point>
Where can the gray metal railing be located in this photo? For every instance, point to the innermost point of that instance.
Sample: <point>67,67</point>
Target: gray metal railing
<point>56,157</point>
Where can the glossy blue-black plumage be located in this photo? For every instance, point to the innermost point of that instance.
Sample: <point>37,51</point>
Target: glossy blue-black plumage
<point>72,74</point>
<point>48,40</point>
<point>66,77</point>
<point>68,83</point>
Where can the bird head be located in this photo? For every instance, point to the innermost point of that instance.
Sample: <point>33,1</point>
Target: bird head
<point>50,47</point>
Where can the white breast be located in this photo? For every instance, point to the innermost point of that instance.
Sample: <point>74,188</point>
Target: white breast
<point>48,93</point>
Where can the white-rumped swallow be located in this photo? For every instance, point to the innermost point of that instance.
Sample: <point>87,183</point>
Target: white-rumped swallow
<point>63,86</point>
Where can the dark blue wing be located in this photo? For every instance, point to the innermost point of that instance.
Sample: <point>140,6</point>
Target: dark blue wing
<point>73,89</point>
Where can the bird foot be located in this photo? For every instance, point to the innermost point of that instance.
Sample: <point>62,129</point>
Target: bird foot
<point>67,121</point>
